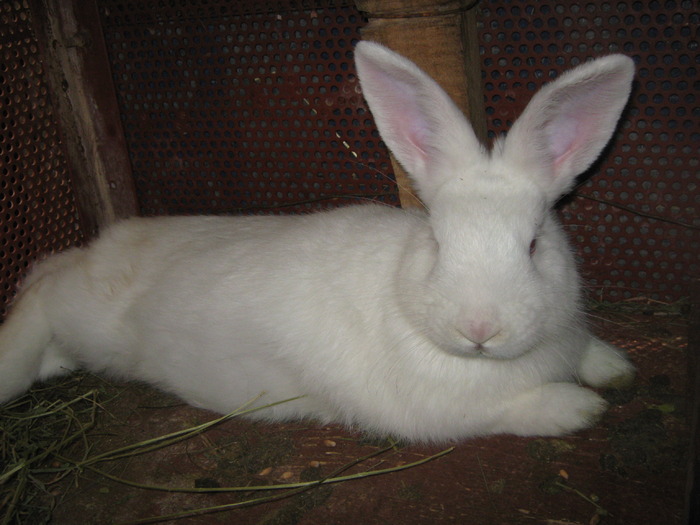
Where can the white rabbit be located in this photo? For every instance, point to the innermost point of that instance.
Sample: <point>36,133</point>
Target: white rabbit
<point>461,321</point>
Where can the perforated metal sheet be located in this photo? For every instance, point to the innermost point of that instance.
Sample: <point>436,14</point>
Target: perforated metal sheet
<point>37,210</point>
<point>243,106</point>
<point>636,221</point>
<point>240,105</point>
<point>255,105</point>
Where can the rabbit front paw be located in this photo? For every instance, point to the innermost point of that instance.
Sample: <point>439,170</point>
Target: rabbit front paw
<point>553,409</point>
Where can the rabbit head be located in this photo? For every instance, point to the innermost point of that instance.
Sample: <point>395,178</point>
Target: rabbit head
<point>498,276</point>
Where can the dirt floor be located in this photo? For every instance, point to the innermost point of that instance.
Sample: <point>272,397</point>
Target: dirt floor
<point>629,469</point>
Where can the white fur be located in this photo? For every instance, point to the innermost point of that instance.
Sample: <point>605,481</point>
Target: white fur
<point>427,326</point>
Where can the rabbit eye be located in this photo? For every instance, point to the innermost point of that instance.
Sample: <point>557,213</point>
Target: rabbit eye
<point>533,247</point>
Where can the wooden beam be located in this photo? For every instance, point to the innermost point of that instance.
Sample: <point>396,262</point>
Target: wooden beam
<point>441,38</point>
<point>82,92</point>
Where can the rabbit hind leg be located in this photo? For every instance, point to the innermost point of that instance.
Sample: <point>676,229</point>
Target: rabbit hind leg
<point>27,349</point>
<point>603,365</point>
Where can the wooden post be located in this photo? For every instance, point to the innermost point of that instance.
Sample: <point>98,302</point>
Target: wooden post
<point>82,91</point>
<point>441,38</point>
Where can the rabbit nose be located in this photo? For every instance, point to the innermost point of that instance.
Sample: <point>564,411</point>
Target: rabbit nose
<point>479,332</point>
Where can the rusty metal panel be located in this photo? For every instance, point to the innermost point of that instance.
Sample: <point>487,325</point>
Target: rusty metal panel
<point>243,106</point>
<point>37,208</point>
<point>636,221</point>
<point>235,106</point>
<point>249,106</point>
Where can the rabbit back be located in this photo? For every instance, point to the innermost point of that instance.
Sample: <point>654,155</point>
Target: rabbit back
<point>205,307</point>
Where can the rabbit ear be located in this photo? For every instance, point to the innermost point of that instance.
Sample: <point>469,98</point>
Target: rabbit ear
<point>567,123</point>
<point>417,120</point>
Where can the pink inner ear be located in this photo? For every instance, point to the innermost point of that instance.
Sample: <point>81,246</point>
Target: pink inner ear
<point>416,133</point>
<point>562,135</point>
<point>397,105</point>
<point>572,134</point>
<point>579,126</point>
<point>564,138</point>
